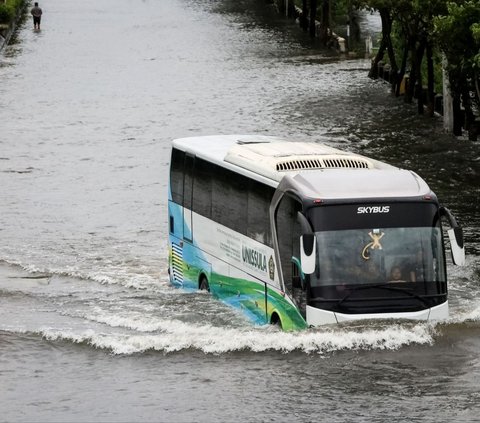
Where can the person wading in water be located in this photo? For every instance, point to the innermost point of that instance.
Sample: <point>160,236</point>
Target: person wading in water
<point>37,15</point>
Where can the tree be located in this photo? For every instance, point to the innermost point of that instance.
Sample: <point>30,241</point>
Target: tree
<point>325,26</point>
<point>412,22</point>
<point>458,35</point>
<point>304,15</point>
<point>386,9</point>
<point>476,60</point>
<point>313,18</point>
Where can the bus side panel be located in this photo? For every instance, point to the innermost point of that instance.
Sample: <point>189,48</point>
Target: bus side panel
<point>227,282</point>
<point>220,276</point>
<point>239,290</point>
<point>176,262</point>
<point>254,259</point>
<point>186,261</point>
<point>175,219</point>
<point>192,266</point>
<point>234,281</point>
<point>290,317</point>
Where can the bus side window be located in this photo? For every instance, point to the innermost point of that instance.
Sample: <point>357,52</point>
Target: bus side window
<point>188,182</point>
<point>176,175</point>
<point>187,198</point>
<point>229,199</point>
<point>202,188</point>
<point>258,221</point>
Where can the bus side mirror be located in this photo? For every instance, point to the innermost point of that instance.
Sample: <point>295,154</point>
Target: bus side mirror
<point>455,236</point>
<point>308,253</point>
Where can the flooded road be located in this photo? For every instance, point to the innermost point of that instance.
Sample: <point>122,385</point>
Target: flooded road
<point>90,329</point>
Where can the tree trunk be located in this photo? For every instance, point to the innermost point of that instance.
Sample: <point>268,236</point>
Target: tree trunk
<point>430,81</point>
<point>325,33</point>
<point>413,74</point>
<point>391,53</point>
<point>378,58</point>
<point>477,86</point>
<point>447,99</point>
<point>458,117</point>
<point>383,45</point>
<point>467,106</point>
<point>403,68</point>
<point>313,17</point>
<point>290,8</point>
<point>419,80</point>
<point>304,17</point>
<point>280,6</point>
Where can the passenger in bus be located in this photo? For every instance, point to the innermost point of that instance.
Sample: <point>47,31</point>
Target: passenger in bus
<point>396,274</point>
<point>372,272</point>
<point>417,272</point>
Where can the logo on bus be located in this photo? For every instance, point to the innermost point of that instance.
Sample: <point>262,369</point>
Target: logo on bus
<point>254,258</point>
<point>373,209</point>
<point>271,268</point>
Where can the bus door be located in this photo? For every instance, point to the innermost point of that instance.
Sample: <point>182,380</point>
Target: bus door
<point>187,197</point>
<point>288,234</point>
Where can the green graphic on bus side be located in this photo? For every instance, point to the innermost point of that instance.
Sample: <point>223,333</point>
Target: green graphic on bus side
<point>245,295</point>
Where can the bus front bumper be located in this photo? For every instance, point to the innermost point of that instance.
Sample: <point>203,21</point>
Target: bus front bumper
<point>317,317</point>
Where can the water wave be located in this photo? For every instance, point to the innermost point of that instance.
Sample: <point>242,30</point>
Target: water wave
<point>177,336</point>
<point>129,324</point>
<point>112,276</point>
<point>470,314</point>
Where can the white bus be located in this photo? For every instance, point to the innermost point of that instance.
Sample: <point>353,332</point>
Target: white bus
<point>301,234</point>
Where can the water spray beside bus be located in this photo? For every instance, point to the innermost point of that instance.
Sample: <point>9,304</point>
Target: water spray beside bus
<point>301,234</point>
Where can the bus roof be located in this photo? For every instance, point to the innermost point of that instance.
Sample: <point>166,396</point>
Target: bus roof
<point>319,171</point>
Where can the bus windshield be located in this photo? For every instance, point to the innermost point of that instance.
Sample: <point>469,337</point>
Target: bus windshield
<point>374,255</point>
<point>397,256</point>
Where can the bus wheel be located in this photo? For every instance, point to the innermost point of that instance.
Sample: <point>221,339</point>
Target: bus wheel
<point>275,320</point>
<point>203,284</point>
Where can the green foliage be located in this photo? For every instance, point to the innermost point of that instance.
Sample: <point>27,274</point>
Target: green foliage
<point>475,28</point>
<point>476,32</point>
<point>6,13</point>
<point>9,10</point>
<point>451,27</point>
<point>458,36</point>
<point>340,7</point>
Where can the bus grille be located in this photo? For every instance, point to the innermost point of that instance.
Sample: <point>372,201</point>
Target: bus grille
<point>177,263</point>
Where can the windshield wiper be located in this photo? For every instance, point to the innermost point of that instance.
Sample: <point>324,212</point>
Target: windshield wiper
<point>385,285</point>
